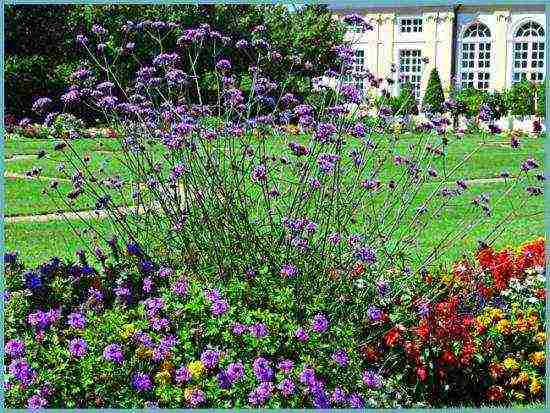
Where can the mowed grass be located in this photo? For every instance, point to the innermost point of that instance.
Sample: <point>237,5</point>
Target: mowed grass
<point>39,241</point>
<point>26,197</point>
<point>34,242</point>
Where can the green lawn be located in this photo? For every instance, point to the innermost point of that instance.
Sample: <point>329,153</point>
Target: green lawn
<point>37,241</point>
<point>26,197</point>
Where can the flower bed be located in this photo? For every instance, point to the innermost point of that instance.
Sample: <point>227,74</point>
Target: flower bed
<point>76,336</point>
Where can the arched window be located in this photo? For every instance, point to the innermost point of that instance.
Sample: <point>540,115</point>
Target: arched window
<point>528,55</point>
<point>475,58</point>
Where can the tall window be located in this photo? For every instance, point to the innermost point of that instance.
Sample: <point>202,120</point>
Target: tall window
<point>410,25</point>
<point>410,68</point>
<point>475,57</point>
<point>358,68</point>
<point>528,53</point>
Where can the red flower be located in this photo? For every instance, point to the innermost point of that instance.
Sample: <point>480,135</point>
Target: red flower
<point>495,393</point>
<point>423,330</point>
<point>448,357</point>
<point>421,373</point>
<point>532,254</point>
<point>392,337</point>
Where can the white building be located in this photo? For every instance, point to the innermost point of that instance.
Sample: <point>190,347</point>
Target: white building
<point>487,47</point>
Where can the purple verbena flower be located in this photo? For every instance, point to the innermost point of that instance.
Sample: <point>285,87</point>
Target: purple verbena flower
<point>341,357</point>
<point>259,330</point>
<point>113,352</point>
<point>320,323</point>
<point>289,270</point>
<point>262,369</point>
<point>210,358</point>
<point>78,347</point>
<point>301,334</point>
<point>142,382</point>
<point>76,320</point>
<point>15,348</point>
<point>286,387</point>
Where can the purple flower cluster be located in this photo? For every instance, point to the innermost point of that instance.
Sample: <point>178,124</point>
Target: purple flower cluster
<point>113,352</point>
<point>142,382</point>
<point>327,162</point>
<point>262,369</point>
<point>210,358</point>
<point>289,270</point>
<point>218,305</point>
<point>78,347</point>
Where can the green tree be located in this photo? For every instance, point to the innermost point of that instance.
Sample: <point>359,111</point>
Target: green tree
<point>41,51</point>
<point>434,96</point>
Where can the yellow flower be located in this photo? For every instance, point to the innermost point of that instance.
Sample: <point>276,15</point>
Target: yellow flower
<point>127,331</point>
<point>397,127</point>
<point>496,314</point>
<point>163,377</point>
<point>504,327</point>
<point>535,386</point>
<point>447,279</point>
<point>537,358</point>
<point>518,395</point>
<point>144,352</point>
<point>540,338</point>
<point>196,368</point>
<point>510,363</point>
<point>484,320</point>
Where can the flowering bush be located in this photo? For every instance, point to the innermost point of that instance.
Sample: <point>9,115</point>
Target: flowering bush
<point>244,274</point>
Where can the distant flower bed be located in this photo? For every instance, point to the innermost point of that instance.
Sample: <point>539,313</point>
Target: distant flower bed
<point>79,336</point>
<point>60,126</point>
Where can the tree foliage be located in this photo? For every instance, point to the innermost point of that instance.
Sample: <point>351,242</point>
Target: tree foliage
<point>434,96</point>
<point>41,52</point>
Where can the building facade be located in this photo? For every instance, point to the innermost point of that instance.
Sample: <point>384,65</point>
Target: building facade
<point>486,47</point>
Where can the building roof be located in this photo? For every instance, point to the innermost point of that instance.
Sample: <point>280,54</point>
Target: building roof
<point>354,4</point>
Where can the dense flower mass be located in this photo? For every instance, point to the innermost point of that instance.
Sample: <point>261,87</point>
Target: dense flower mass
<point>486,330</point>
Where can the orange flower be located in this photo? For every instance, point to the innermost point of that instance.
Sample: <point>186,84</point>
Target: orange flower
<point>358,270</point>
<point>521,324</point>
<point>537,358</point>
<point>496,370</point>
